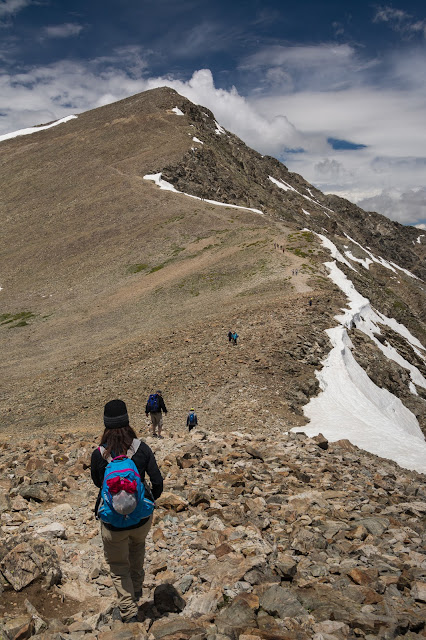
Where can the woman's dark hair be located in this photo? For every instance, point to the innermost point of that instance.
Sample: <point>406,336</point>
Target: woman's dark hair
<point>117,441</point>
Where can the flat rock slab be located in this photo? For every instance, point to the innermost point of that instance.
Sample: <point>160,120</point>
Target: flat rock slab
<point>278,601</point>
<point>182,627</point>
<point>21,566</point>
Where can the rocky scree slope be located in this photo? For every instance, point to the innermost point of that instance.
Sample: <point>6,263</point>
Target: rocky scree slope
<point>258,535</point>
<point>219,166</point>
<point>222,167</point>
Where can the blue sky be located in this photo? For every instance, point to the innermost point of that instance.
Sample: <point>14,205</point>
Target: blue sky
<point>337,91</point>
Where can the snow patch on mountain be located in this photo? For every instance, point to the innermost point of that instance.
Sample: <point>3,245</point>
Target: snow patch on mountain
<point>287,187</point>
<point>282,185</point>
<point>334,251</point>
<point>163,184</point>
<point>26,132</point>
<point>177,111</point>
<point>219,130</point>
<point>364,261</point>
<point>384,263</point>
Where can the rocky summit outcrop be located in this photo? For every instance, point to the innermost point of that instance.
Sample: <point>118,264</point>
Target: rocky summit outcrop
<point>270,536</point>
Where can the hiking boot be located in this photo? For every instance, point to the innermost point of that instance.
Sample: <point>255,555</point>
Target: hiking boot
<point>132,619</point>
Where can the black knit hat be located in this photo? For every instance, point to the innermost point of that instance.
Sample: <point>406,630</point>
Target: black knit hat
<point>115,414</point>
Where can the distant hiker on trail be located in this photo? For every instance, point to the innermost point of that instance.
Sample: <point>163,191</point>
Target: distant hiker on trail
<point>229,336</point>
<point>234,337</point>
<point>124,503</point>
<point>310,302</point>
<point>191,420</point>
<point>154,407</point>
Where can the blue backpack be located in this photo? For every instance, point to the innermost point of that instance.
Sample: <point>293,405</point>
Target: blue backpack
<point>153,404</point>
<point>192,419</point>
<point>123,495</point>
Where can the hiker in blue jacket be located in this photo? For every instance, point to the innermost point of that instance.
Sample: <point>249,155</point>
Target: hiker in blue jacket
<point>191,420</point>
<point>124,548</point>
<point>154,407</point>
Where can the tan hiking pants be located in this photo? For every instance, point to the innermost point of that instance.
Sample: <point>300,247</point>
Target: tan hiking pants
<point>125,554</point>
<point>156,422</point>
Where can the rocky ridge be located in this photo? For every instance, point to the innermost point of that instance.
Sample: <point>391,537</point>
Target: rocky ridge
<point>220,166</point>
<point>258,534</point>
<point>106,294</point>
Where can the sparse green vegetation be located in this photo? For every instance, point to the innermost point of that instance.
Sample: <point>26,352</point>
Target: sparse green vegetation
<point>400,305</point>
<point>21,319</point>
<point>206,248</point>
<point>157,268</point>
<point>298,252</point>
<point>257,243</point>
<point>136,268</point>
<point>174,219</point>
<point>308,267</point>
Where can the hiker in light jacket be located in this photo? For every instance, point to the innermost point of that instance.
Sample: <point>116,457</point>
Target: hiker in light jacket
<point>124,548</point>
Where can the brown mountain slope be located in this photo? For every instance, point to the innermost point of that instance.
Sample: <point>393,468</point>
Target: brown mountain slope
<point>134,288</point>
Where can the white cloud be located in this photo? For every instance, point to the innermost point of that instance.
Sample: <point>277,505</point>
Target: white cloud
<point>331,170</point>
<point>401,21</point>
<point>297,113</point>
<point>406,206</point>
<point>10,7</point>
<point>319,67</point>
<point>65,30</point>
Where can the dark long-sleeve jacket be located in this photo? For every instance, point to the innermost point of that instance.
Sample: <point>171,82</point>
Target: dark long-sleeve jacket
<point>188,422</point>
<point>146,464</point>
<point>163,407</point>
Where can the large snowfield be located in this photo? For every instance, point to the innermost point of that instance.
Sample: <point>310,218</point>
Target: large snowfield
<point>350,406</point>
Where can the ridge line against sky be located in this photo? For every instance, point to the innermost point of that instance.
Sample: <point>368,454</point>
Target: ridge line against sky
<point>338,93</point>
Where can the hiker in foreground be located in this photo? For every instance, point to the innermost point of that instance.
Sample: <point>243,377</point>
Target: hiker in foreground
<point>125,504</point>
<point>191,420</point>
<point>154,407</point>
